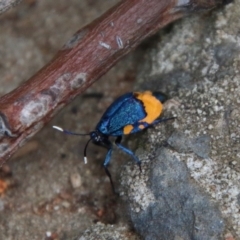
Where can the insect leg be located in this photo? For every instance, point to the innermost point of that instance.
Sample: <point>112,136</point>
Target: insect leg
<point>161,120</point>
<point>126,150</point>
<point>105,165</point>
<point>107,144</point>
<point>141,125</point>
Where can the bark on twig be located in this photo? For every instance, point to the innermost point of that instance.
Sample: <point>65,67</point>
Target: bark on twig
<point>6,4</point>
<point>90,53</point>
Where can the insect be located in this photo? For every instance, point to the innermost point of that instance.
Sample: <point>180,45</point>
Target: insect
<point>130,113</point>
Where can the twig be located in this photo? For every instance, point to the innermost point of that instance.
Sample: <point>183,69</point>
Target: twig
<point>6,4</point>
<point>90,53</point>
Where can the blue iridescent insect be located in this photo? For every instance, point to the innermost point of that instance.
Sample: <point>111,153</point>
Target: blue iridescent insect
<point>130,113</point>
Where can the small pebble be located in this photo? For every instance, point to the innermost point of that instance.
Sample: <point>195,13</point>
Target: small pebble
<point>76,180</point>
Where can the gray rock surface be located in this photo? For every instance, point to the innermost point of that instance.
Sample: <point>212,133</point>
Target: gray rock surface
<point>190,190</point>
<point>176,208</point>
<point>101,231</point>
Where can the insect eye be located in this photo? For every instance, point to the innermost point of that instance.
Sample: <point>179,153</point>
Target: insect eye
<point>95,136</point>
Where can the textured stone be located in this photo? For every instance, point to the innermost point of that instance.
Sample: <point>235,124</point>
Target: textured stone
<point>196,62</point>
<point>181,209</point>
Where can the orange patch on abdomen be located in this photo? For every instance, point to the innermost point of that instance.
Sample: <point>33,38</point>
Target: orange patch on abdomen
<point>153,107</point>
<point>127,129</point>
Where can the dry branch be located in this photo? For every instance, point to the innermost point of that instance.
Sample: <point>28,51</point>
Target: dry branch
<point>90,53</point>
<point>6,4</point>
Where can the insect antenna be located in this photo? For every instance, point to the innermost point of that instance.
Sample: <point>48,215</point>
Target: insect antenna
<point>78,134</point>
<point>85,151</point>
<point>69,132</point>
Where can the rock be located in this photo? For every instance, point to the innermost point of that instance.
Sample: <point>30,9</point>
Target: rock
<point>179,209</point>
<point>102,231</point>
<point>192,184</point>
